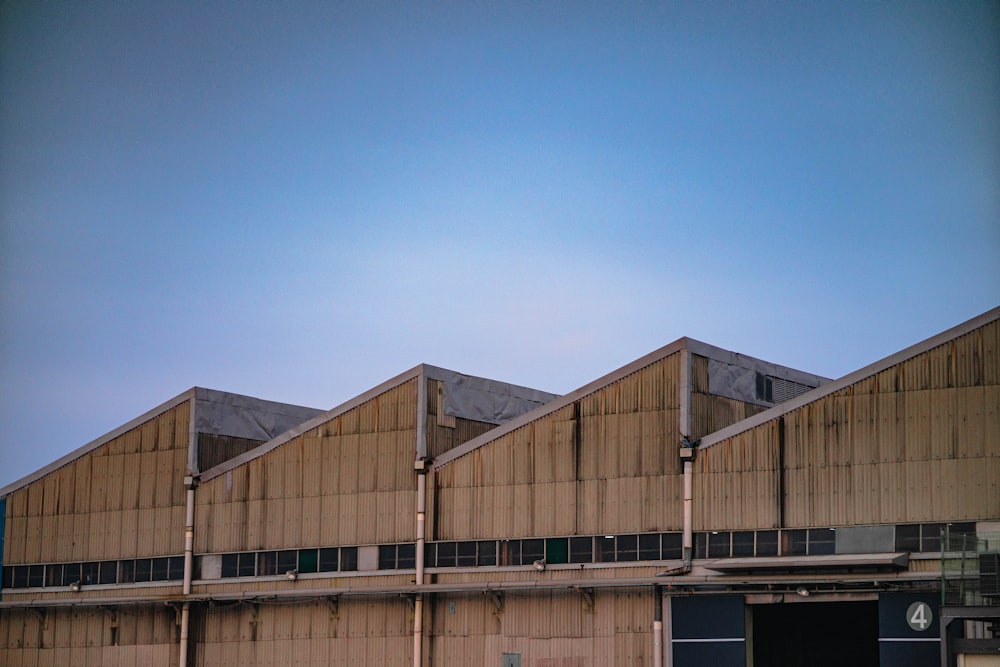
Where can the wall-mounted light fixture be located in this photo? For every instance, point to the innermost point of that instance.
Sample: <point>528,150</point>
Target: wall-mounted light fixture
<point>803,591</point>
<point>75,586</point>
<point>539,565</point>
<point>292,574</point>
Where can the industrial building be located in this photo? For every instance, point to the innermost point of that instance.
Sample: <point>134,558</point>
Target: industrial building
<point>697,506</point>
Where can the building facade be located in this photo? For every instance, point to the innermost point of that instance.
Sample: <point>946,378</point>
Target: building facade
<point>696,506</point>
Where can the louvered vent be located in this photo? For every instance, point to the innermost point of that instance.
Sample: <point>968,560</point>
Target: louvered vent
<point>786,390</point>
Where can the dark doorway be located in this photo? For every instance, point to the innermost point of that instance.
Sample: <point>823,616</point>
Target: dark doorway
<point>816,634</point>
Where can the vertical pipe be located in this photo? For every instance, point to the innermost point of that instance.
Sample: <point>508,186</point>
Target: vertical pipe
<point>657,627</point>
<point>188,568</point>
<point>687,550</point>
<point>418,604</point>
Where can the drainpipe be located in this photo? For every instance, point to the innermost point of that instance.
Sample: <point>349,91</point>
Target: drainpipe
<point>688,450</point>
<point>189,483</point>
<point>657,627</point>
<point>418,604</point>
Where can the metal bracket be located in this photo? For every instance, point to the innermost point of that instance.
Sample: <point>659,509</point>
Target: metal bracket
<point>496,597</point>
<point>588,598</point>
<point>333,602</point>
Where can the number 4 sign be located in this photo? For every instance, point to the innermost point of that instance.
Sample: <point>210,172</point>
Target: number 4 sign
<point>919,616</point>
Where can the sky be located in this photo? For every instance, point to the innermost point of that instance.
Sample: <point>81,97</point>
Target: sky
<point>300,200</point>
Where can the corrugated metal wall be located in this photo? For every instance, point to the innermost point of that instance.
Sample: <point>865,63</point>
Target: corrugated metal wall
<point>314,634</point>
<point>125,499</point>
<point>350,480</point>
<point>605,463</point>
<point>547,628</point>
<point>919,441</point>
<point>88,637</point>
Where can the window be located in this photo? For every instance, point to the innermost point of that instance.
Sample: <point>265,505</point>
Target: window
<point>532,550</point>
<point>447,554</point>
<point>649,547</point>
<point>466,554</point>
<point>230,565</point>
<point>627,548</point>
<point>143,569</point>
<point>743,544</point>
<point>90,574</point>
<point>557,550</point>
<point>765,388</point>
<point>718,544</point>
<point>605,549</point>
<point>308,561</point>
<point>767,543</point>
<point>126,571</point>
<point>287,560</point>
<point>329,560</point>
<point>161,569</point>
<point>108,572</point>
<point>267,563</point>
<point>701,545</point>
<point>793,542</point>
<point>349,559</point>
<point>908,538</point>
<point>672,546</point>
<point>822,541</point>
<point>581,549</point>
<point>53,575</point>
<point>247,564</point>
<point>487,553</point>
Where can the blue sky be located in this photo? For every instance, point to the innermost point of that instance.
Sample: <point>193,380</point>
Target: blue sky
<point>299,200</point>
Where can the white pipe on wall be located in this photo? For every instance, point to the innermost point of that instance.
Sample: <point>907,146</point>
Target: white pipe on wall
<point>418,604</point>
<point>188,568</point>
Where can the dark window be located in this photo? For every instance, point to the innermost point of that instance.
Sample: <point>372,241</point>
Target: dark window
<point>605,549</point>
<point>793,543</point>
<point>230,565</point>
<point>908,537</point>
<point>649,547</point>
<point>672,546</point>
<point>532,550</point>
<point>109,572</point>
<point>308,561</point>
<point>822,541</point>
<point>961,536</point>
<point>267,563</point>
<point>487,552</point>
<point>930,536</point>
<point>8,574</point>
<point>349,559</point>
<point>175,566</point>
<point>20,576</point>
<point>627,548</point>
<point>430,554</point>
<point>126,571</point>
<point>466,554</point>
<point>718,544</point>
<point>53,575</point>
<point>247,564</point>
<point>446,554</point>
<point>406,556</point>
<point>581,549</point>
<point>701,545</point>
<point>161,569</point>
<point>765,388</point>
<point>387,557</point>
<point>143,569</point>
<point>557,550</point>
<point>71,573</point>
<point>510,552</point>
<point>91,574</point>
<point>767,543</point>
<point>36,576</point>
<point>743,544</point>
<point>288,560</point>
<point>328,559</point>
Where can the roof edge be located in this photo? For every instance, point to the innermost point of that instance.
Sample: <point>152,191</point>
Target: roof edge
<point>851,378</point>
<point>101,440</point>
<point>562,401</point>
<point>235,462</point>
